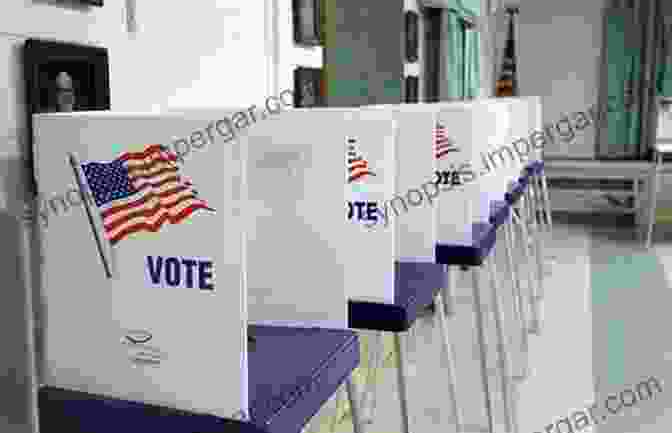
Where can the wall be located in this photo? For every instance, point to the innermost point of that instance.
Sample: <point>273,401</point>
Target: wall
<point>290,55</point>
<point>213,54</point>
<point>559,55</point>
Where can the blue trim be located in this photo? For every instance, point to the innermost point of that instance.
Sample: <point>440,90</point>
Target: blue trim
<point>415,286</point>
<point>484,237</point>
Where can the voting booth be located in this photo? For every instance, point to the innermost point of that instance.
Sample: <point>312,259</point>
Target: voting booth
<point>317,178</point>
<point>293,239</point>
<point>412,209</point>
<point>143,285</point>
<point>477,130</point>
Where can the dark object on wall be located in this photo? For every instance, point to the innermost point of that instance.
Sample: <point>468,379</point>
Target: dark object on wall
<point>364,52</point>
<point>411,36</point>
<point>432,53</point>
<point>61,77</point>
<point>308,87</point>
<point>87,2</point>
<point>307,22</point>
<point>412,84</point>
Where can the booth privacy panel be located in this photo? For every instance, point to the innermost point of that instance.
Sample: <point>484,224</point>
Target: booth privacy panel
<point>168,327</point>
<point>305,256</point>
<point>476,130</point>
<point>415,150</point>
<point>370,172</point>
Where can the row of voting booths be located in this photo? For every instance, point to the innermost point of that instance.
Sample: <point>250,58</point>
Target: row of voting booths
<point>222,289</point>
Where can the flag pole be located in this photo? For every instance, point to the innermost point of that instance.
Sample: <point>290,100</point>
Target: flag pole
<point>74,162</point>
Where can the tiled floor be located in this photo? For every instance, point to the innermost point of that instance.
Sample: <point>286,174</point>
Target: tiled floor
<point>604,326</point>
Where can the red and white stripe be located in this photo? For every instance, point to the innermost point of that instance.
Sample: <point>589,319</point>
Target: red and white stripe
<point>358,167</point>
<point>442,144</point>
<point>162,196</point>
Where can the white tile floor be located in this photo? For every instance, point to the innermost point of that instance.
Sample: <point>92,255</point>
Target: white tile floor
<point>560,359</point>
<point>569,357</point>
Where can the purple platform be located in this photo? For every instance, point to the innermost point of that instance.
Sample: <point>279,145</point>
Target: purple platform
<point>416,284</point>
<point>484,237</point>
<point>292,373</point>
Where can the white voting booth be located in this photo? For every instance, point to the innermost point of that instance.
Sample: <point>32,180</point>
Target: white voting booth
<point>317,177</point>
<point>317,180</point>
<point>416,151</point>
<point>476,129</point>
<point>132,308</point>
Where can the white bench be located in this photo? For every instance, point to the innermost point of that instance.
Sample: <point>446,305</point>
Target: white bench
<point>635,171</point>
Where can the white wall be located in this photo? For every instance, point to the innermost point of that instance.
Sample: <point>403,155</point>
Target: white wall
<point>290,55</point>
<point>207,53</point>
<point>559,55</point>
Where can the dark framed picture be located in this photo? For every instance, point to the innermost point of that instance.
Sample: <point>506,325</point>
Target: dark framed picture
<point>307,19</point>
<point>84,2</point>
<point>412,85</point>
<point>411,18</point>
<point>308,87</point>
<point>63,77</point>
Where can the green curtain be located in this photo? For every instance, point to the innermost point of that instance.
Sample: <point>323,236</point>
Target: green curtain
<point>636,67</point>
<point>470,8</point>
<point>459,70</point>
<point>623,60</point>
<point>472,71</point>
<point>451,70</point>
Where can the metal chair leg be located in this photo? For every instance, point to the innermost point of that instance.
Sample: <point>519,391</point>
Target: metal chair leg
<point>541,205</point>
<point>354,407</point>
<point>448,348</point>
<point>480,330</point>
<point>502,351</point>
<point>375,357</point>
<point>401,381</point>
<point>448,290</point>
<point>547,226</point>
<point>518,304</point>
<point>533,326</point>
<point>547,201</point>
<point>537,246</point>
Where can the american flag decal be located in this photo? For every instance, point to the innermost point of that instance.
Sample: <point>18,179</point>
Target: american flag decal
<point>141,191</point>
<point>358,167</point>
<point>442,144</point>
